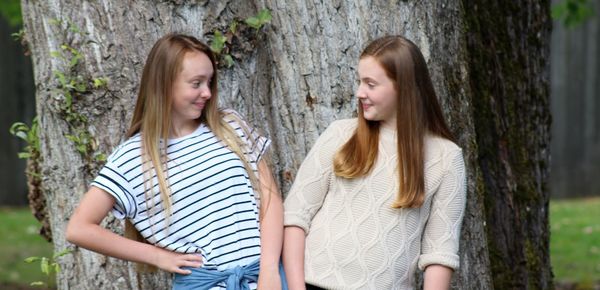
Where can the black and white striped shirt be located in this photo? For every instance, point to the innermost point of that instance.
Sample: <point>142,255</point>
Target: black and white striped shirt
<point>215,210</point>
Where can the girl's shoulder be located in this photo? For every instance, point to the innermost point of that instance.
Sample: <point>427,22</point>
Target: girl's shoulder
<point>128,149</point>
<point>440,149</point>
<point>342,128</point>
<point>231,115</point>
<point>440,143</point>
<point>336,134</point>
<point>228,112</point>
<point>235,119</point>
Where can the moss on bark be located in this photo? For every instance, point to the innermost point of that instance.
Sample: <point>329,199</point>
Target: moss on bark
<point>508,47</point>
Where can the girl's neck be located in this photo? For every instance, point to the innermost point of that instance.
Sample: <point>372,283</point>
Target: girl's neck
<point>387,132</point>
<point>179,130</point>
<point>388,124</point>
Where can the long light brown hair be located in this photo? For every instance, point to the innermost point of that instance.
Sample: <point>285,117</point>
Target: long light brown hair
<point>152,118</point>
<point>418,113</point>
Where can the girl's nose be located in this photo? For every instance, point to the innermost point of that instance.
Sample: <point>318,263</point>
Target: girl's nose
<point>360,93</point>
<point>206,93</point>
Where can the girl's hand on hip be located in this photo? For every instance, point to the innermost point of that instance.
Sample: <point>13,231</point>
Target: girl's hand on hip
<point>172,262</point>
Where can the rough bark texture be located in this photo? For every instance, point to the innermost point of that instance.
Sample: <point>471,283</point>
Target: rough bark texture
<point>508,44</point>
<point>300,77</point>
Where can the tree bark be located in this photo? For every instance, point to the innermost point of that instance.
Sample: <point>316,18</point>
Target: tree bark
<point>509,76</point>
<point>300,76</point>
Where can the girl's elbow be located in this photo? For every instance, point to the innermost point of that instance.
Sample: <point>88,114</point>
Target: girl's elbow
<point>72,232</point>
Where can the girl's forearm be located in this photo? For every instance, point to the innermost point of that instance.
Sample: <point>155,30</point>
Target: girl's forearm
<point>85,231</point>
<point>98,239</point>
<point>437,277</point>
<point>293,257</point>
<point>271,234</point>
<point>271,226</point>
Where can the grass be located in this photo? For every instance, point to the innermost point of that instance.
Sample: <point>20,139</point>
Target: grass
<point>19,239</point>
<point>575,241</point>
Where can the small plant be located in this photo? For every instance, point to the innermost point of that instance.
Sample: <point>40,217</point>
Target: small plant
<point>30,136</point>
<point>263,17</point>
<point>100,83</point>
<point>222,42</point>
<point>72,86</point>
<point>18,36</point>
<point>48,266</point>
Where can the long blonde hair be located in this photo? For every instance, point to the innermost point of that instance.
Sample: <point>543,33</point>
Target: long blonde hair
<point>152,118</point>
<point>418,112</point>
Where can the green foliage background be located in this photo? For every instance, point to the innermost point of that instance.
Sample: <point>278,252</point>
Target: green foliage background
<point>11,11</point>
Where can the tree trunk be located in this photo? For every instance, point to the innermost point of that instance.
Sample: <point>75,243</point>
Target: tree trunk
<point>509,75</point>
<point>297,78</point>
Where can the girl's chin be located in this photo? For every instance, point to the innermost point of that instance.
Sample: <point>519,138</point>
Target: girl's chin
<point>370,117</point>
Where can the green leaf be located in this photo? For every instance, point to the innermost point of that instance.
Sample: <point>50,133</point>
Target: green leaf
<point>56,268</point>
<point>37,283</point>
<point>264,16</point>
<point>31,259</point>
<point>72,138</point>
<point>74,61</point>
<point>17,36</point>
<point>228,60</point>
<point>61,78</point>
<point>24,155</point>
<point>62,253</point>
<point>100,82</point>
<point>55,21</point>
<point>73,28</point>
<point>82,148</point>
<point>101,157</point>
<point>233,26</point>
<point>56,54</point>
<point>18,126</point>
<point>218,42</point>
<point>68,99</point>
<point>253,22</point>
<point>80,87</point>
<point>45,267</point>
<point>21,135</point>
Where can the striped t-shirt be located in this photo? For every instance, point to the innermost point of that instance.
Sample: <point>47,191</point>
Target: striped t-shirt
<point>215,210</point>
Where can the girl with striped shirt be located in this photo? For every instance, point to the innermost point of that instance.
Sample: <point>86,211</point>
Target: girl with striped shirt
<point>190,179</point>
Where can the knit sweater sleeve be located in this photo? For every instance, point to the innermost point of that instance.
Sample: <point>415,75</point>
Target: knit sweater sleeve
<point>312,181</point>
<point>441,236</point>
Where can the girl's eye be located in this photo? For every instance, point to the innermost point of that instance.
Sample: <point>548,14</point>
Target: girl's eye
<point>371,85</point>
<point>196,85</point>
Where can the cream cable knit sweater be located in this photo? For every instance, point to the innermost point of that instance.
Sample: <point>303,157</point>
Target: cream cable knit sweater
<point>355,239</point>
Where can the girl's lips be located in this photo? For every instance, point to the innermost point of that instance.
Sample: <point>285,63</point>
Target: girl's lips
<point>198,105</point>
<point>365,106</point>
